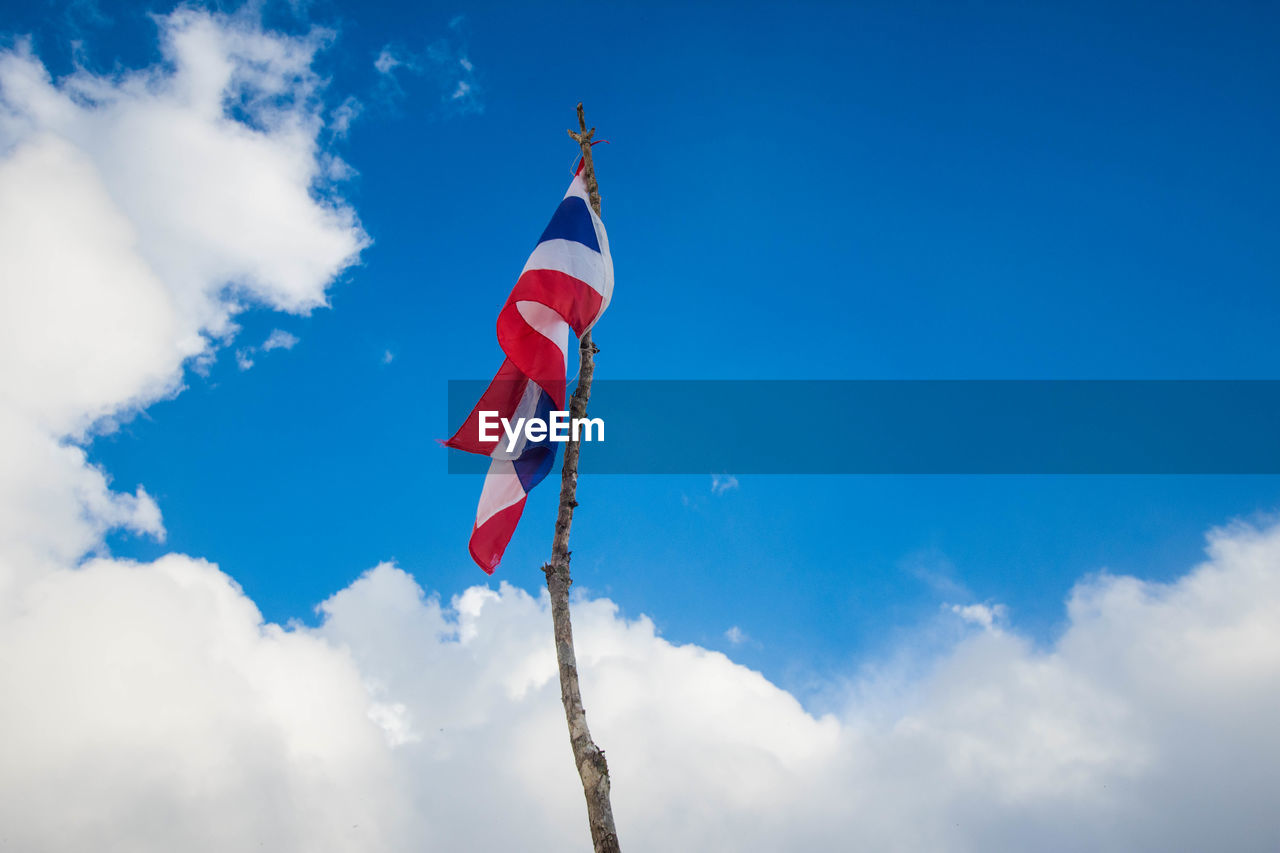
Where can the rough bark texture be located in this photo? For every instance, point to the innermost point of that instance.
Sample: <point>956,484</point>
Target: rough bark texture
<point>586,755</point>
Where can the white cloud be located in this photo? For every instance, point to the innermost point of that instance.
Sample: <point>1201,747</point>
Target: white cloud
<point>386,61</point>
<point>344,115</point>
<point>393,719</point>
<point>279,339</point>
<point>999,746</point>
<point>444,62</point>
<point>412,718</point>
<point>388,356</point>
<point>148,707</point>
<point>721,483</point>
<point>932,568</point>
<point>138,217</point>
<point>983,615</point>
<point>736,635</point>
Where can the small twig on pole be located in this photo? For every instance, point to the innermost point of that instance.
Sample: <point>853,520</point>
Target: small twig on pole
<point>586,755</point>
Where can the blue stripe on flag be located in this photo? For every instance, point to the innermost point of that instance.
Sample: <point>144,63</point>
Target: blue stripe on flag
<point>534,465</point>
<point>537,458</point>
<point>572,221</point>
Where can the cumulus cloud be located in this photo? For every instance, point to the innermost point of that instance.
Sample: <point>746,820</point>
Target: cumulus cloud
<point>148,706</point>
<point>412,719</point>
<point>138,216</point>
<point>1145,726</point>
<point>151,208</point>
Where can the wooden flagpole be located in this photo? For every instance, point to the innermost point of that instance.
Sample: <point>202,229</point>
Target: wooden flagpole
<point>586,755</point>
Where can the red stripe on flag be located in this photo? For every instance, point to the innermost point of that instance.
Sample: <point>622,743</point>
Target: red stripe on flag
<point>573,299</point>
<point>535,355</point>
<point>502,396</point>
<point>489,540</point>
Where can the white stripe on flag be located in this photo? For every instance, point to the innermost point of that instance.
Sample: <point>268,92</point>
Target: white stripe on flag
<point>526,408</point>
<point>573,259</point>
<point>501,489</point>
<point>604,285</point>
<point>547,323</point>
<point>578,187</point>
<point>605,288</point>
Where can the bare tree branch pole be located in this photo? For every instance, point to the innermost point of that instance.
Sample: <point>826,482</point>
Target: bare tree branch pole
<point>586,755</point>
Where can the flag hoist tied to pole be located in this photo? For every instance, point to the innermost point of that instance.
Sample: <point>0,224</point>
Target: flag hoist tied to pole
<point>566,284</point>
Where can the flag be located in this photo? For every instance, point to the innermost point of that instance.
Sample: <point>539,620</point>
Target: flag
<point>566,284</point>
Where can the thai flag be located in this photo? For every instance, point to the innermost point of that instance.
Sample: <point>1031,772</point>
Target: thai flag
<point>566,284</point>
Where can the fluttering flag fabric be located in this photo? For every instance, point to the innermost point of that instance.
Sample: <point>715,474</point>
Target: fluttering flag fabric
<point>566,284</point>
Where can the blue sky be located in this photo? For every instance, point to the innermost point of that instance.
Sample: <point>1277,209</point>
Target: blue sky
<point>881,191</point>
<point>259,241</point>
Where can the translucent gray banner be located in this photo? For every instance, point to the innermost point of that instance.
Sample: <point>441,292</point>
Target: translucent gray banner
<point>921,427</point>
